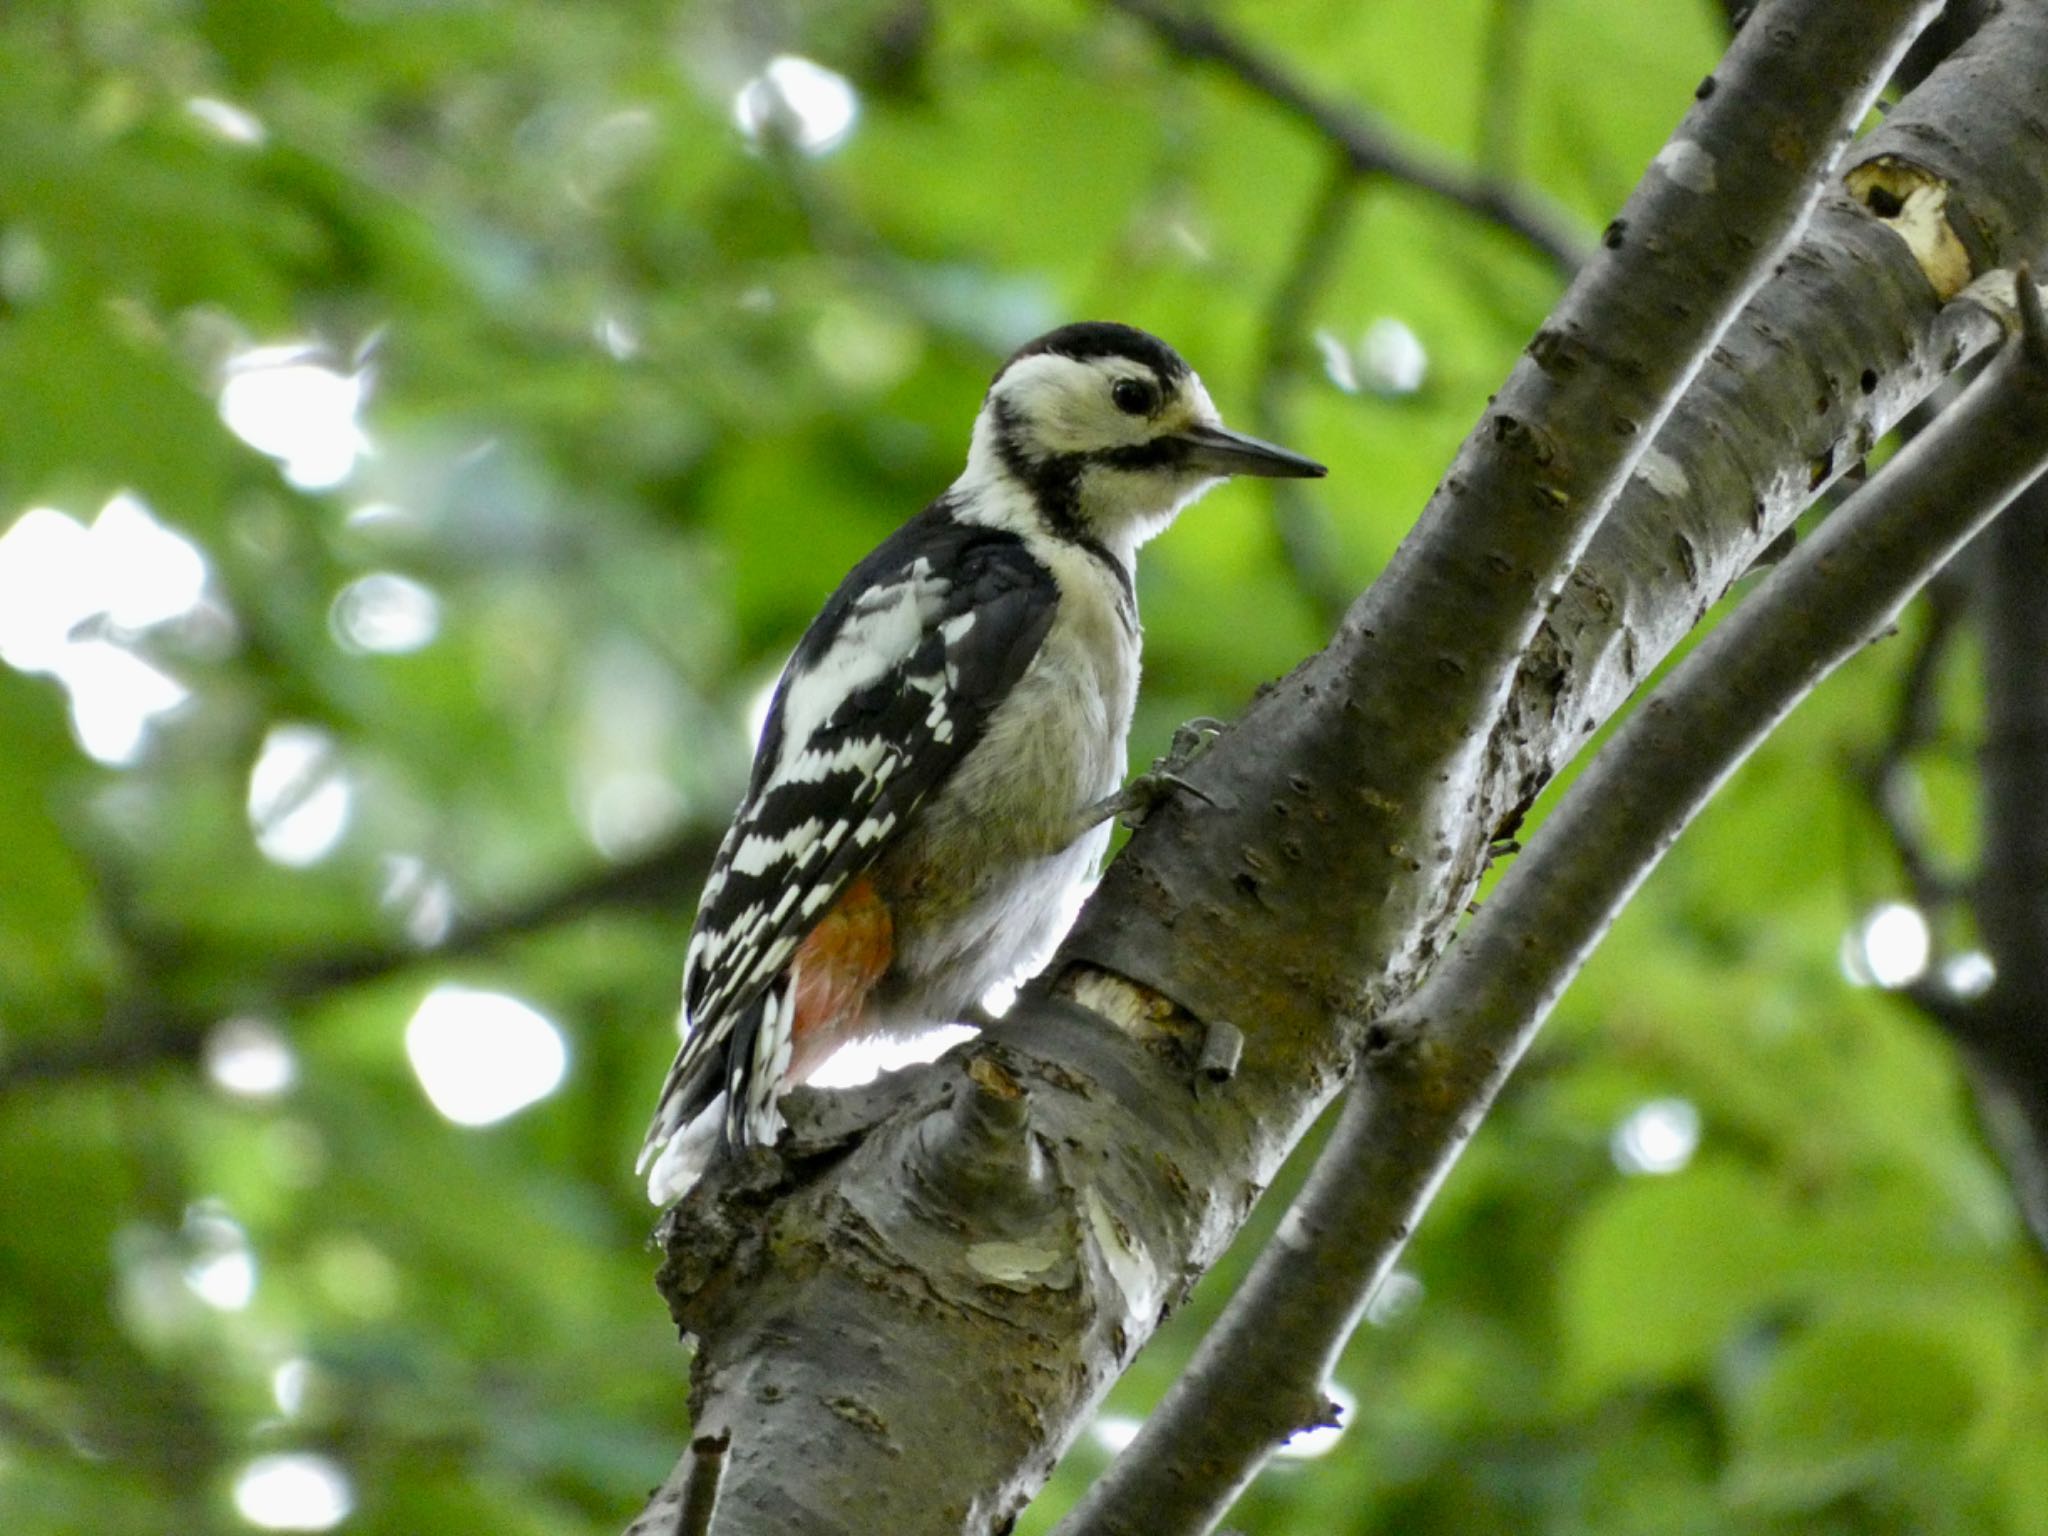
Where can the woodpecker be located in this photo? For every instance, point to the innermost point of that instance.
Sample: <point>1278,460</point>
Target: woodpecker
<point>942,754</point>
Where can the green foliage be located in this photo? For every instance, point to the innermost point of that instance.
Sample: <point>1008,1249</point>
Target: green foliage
<point>637,392</point>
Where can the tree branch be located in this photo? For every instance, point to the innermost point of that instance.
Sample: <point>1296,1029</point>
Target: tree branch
<point>146,1029</point>
<point>1887,777</point>
<point>1445,1052</point>
<point>2003,1034</point>
<point>1370,145</point>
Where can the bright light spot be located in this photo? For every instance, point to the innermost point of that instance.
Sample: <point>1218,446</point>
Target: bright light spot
<point>300,412</point>
<point>220,1270</point>
<point>1191,241</point>
<point>1394,361</point>
<point>289,1384</point>
<point>115,695</point>
<point>155,1303</point>
<point>385,613</point>
<point>1889,948</point>
<point>24,265</point>
<point>1388,359</point>
<point>798,101</point>
<point>481,1056</point>
<point>1969,974</point>
<point>1393,1299</point>
<point>1320,1441</point>
<point>609,151</point>
<point>250,1059</point>
<point>70,595</point>
<point>423,899</point>
<point>294,1491</point>
<point>865,1060</point>
<point>999,999</point>
<point>378,518</point>
<point>236,124</point>
<point>617,336</point>
<point>1658,1137</point>
<point>1114,1431</point>
<point>1338,362</point>
<point>863,348</point>
<point>146,573</point>
<point>625,814</point>
<point>299,799</point>
<point>46,588</point>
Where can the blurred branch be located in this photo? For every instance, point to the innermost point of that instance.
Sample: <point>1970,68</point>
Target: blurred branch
<point>1500,90</point>
<point>2003,1032</point>
<point>141,1032</point>
<point>1887,778</point>
<point>1368,143</point>
<point>666,878</point>
<point>1433,1064</point>
<point>1299,522</point>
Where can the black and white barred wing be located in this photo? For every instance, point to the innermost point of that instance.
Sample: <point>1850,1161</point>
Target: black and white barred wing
<point>886,693</point>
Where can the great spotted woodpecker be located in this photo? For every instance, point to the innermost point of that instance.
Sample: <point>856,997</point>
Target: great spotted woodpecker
<point>943,750</point>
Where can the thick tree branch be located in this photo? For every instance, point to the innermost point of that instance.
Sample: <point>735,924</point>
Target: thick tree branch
<point>1448,1048</point>
<point>1369,144</point>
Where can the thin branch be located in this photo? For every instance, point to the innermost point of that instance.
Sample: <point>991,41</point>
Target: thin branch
<point>1298,520</point>
<point>1434,1064</point>
<point>707,1456</point>
<point>143,1030</point>
<point>2003,1034</point>
<point>1887,778</point>
<point>1369,143</point>
<point>688,1497</point>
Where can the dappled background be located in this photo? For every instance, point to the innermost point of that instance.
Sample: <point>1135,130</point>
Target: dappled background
<point>424,429</point>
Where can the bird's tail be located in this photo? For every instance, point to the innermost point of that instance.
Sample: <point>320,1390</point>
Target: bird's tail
<point>723,1091</point>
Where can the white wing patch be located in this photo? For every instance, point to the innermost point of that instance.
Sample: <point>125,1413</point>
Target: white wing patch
<point>759,851</point>
<point>877,637</point>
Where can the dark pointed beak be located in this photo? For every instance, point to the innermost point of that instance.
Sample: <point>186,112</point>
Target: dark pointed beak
<point>1219,451</point>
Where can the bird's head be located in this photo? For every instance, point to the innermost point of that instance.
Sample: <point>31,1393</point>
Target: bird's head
<point>1110,433</point>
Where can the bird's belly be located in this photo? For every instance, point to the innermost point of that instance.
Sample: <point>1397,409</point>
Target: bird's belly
<point>982,885</point>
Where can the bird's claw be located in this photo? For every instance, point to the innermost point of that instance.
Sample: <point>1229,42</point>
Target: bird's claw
<point>1149,789</point>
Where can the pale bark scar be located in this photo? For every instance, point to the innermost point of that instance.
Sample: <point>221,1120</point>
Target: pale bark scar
<point>1912,202</point>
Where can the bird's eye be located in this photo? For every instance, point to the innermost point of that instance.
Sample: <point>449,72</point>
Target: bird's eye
<point>1134,397</point>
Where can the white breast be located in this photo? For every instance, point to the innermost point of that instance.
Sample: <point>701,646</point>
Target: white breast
<point>981,886</point>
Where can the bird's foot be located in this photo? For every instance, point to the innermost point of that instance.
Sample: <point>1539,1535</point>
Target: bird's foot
<point>1145,793</point>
